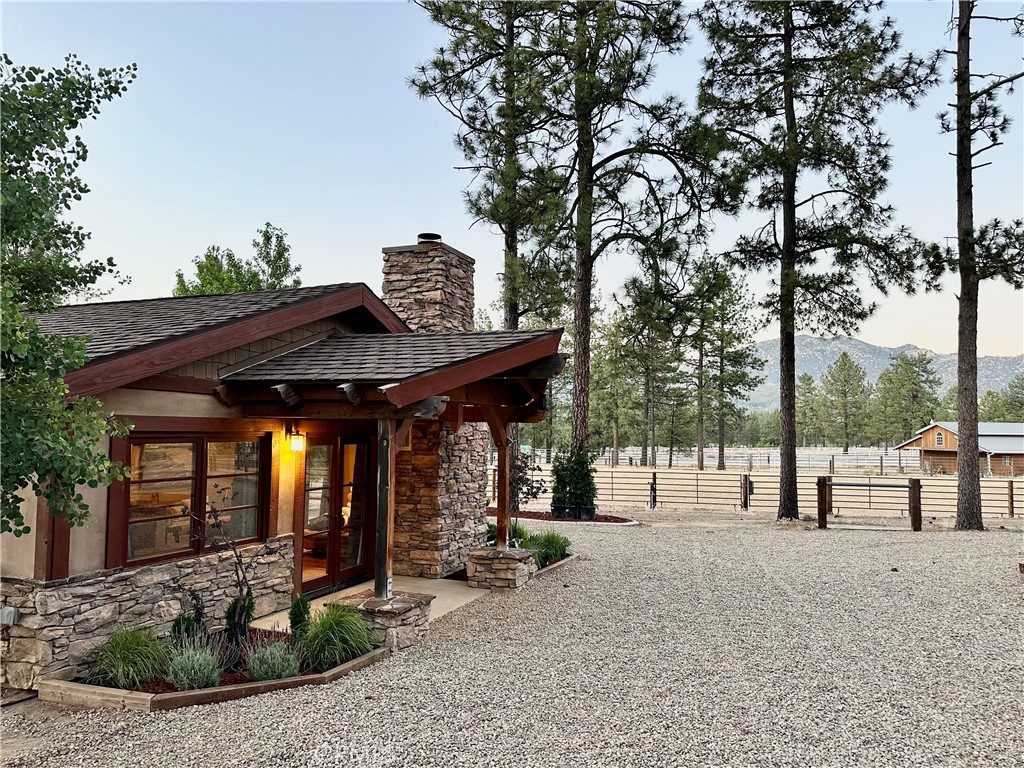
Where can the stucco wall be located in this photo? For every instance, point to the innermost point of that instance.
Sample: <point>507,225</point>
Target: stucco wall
<point>17,553</point>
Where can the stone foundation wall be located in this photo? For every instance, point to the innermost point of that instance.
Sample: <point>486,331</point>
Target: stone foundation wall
<point>440,500</point>
<point>61,622</point>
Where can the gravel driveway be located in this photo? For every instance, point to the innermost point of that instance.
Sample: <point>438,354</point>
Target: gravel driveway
<point>709,642</point>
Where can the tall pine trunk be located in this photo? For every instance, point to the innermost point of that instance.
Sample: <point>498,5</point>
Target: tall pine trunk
<point>789,508</point>
<point>968,500</point>
<point>583,277</point>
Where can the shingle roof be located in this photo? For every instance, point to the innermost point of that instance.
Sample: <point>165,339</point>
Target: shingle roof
<point>364,358</point>
<point>117,326</point>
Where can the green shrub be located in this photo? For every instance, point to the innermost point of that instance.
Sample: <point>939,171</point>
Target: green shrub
<point>298,615</point>
<point>334,636</point>
<point>275,661</point>
<point>194,664</point>
<point>492,532</point>
<point>550,546</point>
<point>518,531</point>
<point>573,481</point>
<point>129,658</point>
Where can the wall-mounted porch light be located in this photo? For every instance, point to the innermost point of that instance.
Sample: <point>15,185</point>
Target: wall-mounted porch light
<point>296,439</point>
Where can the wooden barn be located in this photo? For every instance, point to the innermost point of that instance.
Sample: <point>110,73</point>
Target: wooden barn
<point>1000,444</point>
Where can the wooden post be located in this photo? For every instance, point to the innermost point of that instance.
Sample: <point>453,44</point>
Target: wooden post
<point>914,503</point>
<point>1009,498</point>
<point>499,434</point>
<point>382,568</point>
<point>822,503</point>
<point>744,491</point>
<point>53,543</point>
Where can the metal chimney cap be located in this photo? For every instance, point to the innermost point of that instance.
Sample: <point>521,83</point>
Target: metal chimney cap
<point>428,237</point>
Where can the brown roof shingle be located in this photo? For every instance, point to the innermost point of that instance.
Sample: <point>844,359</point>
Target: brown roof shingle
<point>118,326</point>
<point>366,358</point>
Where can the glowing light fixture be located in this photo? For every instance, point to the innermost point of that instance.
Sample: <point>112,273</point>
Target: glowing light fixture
<point>297,440</point>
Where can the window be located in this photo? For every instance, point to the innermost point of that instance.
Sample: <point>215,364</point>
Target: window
<point>1007,461</point>
<point>938,439</point>
<point>186,494</point>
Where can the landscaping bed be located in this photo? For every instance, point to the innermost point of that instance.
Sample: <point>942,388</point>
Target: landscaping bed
<point>547,518</point>
<point>79,694</point>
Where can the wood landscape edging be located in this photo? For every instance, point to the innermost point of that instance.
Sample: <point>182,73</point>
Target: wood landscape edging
<point>75,694</point>
<point>556,566</point>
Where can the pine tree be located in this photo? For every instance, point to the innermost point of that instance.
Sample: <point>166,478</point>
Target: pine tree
<point>808,410</point>
<point>905,398</point>
<point>639,170</point>
<point>487,78</point>
<point>948,405</point>
<point>995,250</point>
<point>799,85</point>
<point>845,393</point>
<point>733,358</point>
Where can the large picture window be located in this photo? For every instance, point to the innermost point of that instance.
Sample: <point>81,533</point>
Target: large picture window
<point>187,493</point>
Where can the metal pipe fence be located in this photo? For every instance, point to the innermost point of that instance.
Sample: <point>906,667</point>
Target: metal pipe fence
<point>759,491</point>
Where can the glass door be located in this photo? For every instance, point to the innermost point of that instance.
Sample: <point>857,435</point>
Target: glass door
<point>336,540</point>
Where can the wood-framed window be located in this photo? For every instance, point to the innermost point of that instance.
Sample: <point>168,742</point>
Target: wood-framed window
<point>180,484</point>
<point>939,439</point>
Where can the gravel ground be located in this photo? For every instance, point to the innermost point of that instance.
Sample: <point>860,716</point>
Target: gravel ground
<point>707,642</point>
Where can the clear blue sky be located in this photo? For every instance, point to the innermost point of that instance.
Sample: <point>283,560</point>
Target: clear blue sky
<point>299,114</point>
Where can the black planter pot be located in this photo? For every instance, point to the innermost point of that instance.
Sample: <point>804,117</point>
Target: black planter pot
<point>587,513</point>
<point>561,511</point>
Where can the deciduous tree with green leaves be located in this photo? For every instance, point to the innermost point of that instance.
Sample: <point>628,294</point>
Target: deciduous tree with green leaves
<point>994,250</point>
<point>50,441</point>
<point>799,86</point>
<point>219,270</point>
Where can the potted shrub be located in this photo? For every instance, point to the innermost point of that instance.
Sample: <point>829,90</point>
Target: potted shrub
<point>561,484</point>
<point>573,486</point>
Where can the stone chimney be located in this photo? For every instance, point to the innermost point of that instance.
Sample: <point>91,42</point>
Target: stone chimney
<point>441,484</point>
<point>429,285</point>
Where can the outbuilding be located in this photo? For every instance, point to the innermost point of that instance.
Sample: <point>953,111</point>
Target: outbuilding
<point>1000,447</point>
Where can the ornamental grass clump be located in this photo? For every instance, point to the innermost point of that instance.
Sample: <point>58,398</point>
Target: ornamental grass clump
<point>194,664</point>
<point>129,658</point>
<point>335,635</point>
<point>550,545</point>
<point>274,661</point>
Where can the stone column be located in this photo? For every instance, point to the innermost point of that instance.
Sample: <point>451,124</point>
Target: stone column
<point>396,622</point>
<point>441,485</point>
<point>500,569</point>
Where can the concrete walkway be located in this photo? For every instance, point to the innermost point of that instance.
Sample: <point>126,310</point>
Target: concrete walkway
<point>449,594</point>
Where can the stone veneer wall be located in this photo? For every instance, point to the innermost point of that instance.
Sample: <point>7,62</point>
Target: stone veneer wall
<point>441,485</point>
<point>61,622</point>
<point>440,500</point>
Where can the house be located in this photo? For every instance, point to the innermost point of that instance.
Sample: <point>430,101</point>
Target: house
<point>1000,447</point>
<point>338,435</point>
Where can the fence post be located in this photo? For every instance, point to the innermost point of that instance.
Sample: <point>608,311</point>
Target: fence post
<point>654,489</point>
<point>745,492</point>
<point>1009,498</point>
<point>914,503</point>
<point>822,502</point>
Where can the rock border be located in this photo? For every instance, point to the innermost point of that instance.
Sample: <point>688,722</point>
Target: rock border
<point>75,694</point>
<point>625,524</point>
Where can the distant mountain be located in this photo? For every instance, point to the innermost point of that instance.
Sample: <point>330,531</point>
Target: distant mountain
<point>814,355</point>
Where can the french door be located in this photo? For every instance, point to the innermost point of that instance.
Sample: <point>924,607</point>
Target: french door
<point>337,535</point>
